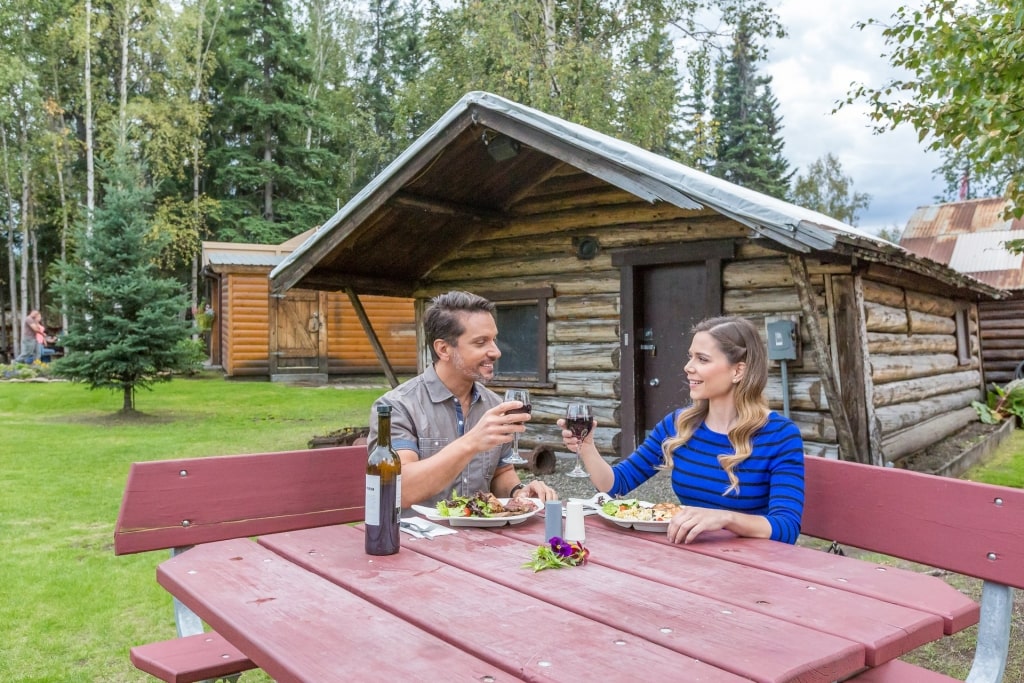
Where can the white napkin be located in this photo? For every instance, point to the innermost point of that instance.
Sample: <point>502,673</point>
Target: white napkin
<point>434,530</point>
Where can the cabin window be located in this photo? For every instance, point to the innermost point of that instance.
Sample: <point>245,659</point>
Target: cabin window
<point>963,338</point>
<point>522,337</point>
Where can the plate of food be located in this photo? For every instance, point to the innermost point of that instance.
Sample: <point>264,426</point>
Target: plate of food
<point>639,514</point>
<point>481,509</point>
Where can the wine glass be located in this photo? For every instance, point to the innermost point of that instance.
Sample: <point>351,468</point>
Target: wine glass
<point>523,396</point>
<point>579,421</point>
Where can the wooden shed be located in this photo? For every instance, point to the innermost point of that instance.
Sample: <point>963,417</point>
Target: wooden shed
<point>968,236</point>
<point>305,334</point>
<point>601,256</point>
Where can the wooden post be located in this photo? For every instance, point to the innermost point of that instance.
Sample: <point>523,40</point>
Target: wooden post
<point>844,435</point>
<point>364,320</point>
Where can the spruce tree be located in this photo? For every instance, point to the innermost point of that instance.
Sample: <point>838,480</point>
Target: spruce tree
<point>270,184</point>
<point>749,140</point>
<point>125,322</point>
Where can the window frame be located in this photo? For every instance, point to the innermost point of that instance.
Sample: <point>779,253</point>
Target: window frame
<point>538,297</point>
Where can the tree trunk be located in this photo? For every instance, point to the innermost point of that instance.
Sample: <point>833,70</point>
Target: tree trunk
<point>59,165</point>
<point>16,315</point>
<point>26,231</point>
<point>128,405</point>
<point>37,284</point>
<point>122,109</point>
<point>90,170</point>
<point>844,434</point>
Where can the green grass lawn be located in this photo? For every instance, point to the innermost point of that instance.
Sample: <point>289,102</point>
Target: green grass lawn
<point>70,608</point>
<point>1006,467</point>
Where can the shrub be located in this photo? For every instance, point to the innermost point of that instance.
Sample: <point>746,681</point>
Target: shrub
<point>25,371</point>
<point>1002,402</point>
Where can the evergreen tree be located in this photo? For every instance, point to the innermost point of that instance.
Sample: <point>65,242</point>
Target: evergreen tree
<point>125,328</point>
<point>651,85</point>
<point>605,64</point>
<point>699,137</point>
<point>391,58</point>
<point>271,186</point>
<point>750,142</point>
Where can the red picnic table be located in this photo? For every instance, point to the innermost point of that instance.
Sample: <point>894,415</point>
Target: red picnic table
<point>310,605</point>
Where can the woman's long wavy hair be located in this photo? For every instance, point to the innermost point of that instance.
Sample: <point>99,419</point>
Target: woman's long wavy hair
<point>737,338</point>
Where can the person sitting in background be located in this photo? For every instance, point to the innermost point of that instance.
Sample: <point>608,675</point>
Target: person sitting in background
<point>736,465</point>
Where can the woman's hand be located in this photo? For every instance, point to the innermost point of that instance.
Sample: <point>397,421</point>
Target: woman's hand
<point>570,441</point>
<point>692,521</point>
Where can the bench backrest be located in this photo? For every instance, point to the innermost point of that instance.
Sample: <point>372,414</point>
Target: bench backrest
<point>176,503</point>
<point>953,524</point>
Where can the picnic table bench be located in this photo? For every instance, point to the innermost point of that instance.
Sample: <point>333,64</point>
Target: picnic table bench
<point>959,526</point>
<point>176,504</point>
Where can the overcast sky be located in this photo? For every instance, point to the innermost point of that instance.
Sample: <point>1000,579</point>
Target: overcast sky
<point>811,70</point>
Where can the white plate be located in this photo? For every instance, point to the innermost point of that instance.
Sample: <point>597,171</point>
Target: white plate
<point>635,523</point>
<point>433,515</point>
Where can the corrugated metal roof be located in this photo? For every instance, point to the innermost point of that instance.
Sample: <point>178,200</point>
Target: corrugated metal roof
<point>239,258</point>
<point>980,252</point>
<point>968,236</point>
<point>959,218</point>
<point>250,254</point>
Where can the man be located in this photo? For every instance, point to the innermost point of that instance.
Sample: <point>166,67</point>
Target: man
<point>31,349</point>
<point>450,431</point>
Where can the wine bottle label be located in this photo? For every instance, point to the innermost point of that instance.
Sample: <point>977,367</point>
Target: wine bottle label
<point>398,494</point>
<point>373,500</point>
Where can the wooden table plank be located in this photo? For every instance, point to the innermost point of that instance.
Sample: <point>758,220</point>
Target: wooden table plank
<point>693,625</point>
<point>526,635</point>
<point>885,630</point>
<point>299,627</point>
<point>890,584</point>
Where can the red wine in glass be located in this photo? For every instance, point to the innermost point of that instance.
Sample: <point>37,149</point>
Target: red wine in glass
<point>579,426</point>
<point>579,421</point>
<point>525,409</point>
<point>523,397</point>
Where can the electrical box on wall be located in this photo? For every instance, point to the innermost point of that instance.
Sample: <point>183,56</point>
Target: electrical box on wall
<point>783,338</point>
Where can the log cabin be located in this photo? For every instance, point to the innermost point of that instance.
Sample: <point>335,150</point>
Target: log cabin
<point>303,336</point>
<point>601,256</point>
<point>968,236</point>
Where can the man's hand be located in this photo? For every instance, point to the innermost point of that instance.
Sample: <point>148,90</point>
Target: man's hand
<point>497,425</point>
<point>537,489</point>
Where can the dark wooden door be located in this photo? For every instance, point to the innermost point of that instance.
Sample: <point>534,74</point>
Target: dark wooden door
<point>665,291</point>
<point>671,302</point>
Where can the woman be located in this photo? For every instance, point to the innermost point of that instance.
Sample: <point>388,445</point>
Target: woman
<point>735,464</point>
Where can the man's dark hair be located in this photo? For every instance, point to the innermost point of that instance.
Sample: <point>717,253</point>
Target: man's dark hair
<point>443,319</point>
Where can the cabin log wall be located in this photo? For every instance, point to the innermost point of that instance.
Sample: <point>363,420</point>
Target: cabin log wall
<point>911,369</point>
<point>1002,339</point>
<point>922,392</point>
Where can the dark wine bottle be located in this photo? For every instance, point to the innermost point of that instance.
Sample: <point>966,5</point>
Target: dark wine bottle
<point>383,490</point>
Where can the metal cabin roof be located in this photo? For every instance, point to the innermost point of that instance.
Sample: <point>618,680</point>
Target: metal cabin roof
<point>445,190</point>
<point>250,254</point>
<point>219,258</point>
<point>968,236</point>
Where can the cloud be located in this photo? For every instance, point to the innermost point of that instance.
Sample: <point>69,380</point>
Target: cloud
<point>812,70</point>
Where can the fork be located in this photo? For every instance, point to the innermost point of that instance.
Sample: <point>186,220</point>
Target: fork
<point>418,530</point>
